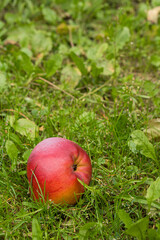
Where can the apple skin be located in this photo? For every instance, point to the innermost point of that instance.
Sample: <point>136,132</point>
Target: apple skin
<point>51,171</point>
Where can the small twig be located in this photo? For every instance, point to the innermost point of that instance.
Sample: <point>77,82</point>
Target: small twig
<point>56,87</point>
<point>12,110</point>
<point>70,36</point>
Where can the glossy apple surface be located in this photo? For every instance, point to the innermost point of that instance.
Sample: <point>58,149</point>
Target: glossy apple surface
<point>53,168</point>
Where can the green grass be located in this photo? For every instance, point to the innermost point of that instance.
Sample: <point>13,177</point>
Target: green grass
<point>87,71</point>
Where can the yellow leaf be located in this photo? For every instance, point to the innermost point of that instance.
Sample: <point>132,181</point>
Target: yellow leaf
<point>62,29</point>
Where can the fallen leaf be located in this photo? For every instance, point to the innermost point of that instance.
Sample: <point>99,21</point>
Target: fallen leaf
<point>41,128</point>
<point>153,129</point>
<point>152,14</point>
<point>70,77</point>
<point>12,42</point>
<point>26,128</point>
<point>107,66</point>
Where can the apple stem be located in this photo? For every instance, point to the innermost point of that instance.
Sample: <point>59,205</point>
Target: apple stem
<point>74,167</point>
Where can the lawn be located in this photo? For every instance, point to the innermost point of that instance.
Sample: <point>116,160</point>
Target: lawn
<point>88,71</point>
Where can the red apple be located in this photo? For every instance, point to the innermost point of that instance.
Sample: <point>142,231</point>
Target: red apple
<point>53,170</point>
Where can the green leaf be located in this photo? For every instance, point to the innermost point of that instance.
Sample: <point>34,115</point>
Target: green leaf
<point>138,229</point>
<point>153,192</point>
<point>1,24</point>
<point>22,34</point>
<point>12,17</point>
<point>155,60</point>
<point>36,230</point>
<point>122,38</point>
<point>155,3</point>
<point>132,146</point>
<point>84,231</point>
<point>26,154</point>
<point>15,139</point>
<point>70,77</point>
<point>107,66</point>
<point>37,40</point>
<point>154,234</point>
<point>142,10</point>
<point>24,63</point>
<point>11,119</point>
<point>142,144</point>
<point>41,42</point>
<point>3,82</point>
<point>125,218</point>
<point>95,70</point>
<point>28,37</point>
<point>49,15</point>
<point>97,52</point>
<point>79,63</point>
<point>12,152</point>
<point>26,128</point>
<point>101,50</point>
<point>53,64</point>
<point>151,88</point>
<point>28,52</point>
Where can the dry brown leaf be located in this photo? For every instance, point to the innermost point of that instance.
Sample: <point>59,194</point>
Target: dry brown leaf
<point>153,130</point>
<point>152,14</point>
<point>41,128</point>
<point>10,42</point>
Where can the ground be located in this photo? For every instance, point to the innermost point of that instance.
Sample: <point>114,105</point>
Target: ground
<point>87,71</point>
